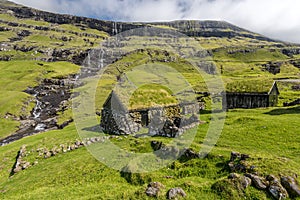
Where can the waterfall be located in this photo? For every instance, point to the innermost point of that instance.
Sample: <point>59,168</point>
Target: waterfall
<point>38,108</point>
<point>115,28</point>
<point>40,127</point>
<point>101,58</point>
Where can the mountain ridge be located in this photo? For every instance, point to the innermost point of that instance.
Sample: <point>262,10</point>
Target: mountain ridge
<point>202,28</point>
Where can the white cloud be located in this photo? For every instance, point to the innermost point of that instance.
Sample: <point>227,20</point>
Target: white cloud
<point>274,18</point>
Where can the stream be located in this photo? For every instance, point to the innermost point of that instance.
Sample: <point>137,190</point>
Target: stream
<point>51,97</point>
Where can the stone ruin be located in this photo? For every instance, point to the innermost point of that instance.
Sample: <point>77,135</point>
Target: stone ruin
<point>168,121</point>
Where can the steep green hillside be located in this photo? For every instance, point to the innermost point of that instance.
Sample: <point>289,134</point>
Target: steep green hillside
<point>41,52</point>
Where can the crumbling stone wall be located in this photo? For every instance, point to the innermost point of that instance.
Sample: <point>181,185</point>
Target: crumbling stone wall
<point>169,121</point>
<point>192,108</point>
<point>113,122</point>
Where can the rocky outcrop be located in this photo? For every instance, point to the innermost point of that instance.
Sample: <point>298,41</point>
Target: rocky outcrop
<point>258,182</point>
<point>110,27</point>
<point>296,63</point>
<point>237,163</point>
<point>291,185</point>
<point>157,145</point>
<point>240,181</point>
<point>235,184</point>
<point>241,51</point>
<point>273,67</point>
<point>154,188</point>
<point>275,188</point>
<point>189,154</point>
<point>211,29</point>
<point>208,67</point>
<point>175,192</point>
<point>296,87</point>
<point>165,151</point>
<point>291,51</point>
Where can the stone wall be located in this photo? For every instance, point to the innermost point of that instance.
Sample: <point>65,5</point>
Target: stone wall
<point>116,123</point>
<point>192,108</point>
<point>170,121</point>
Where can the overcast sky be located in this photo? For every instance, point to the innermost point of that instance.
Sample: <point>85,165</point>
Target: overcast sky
<point>278,19</point>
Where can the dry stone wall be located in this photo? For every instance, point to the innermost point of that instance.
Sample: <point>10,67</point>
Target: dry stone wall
<point>170,121</point>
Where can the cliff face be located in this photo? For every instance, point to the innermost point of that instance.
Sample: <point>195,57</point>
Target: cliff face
<point>212,29</point>
<point>106,26</point>
<point>190,28</point>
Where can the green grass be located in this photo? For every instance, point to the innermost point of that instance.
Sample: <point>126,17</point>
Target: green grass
<point>287,94</point>
<point>250,85</point>
<point>73,28</point>
<point>273,148</point>
<point>258,55</point>
<point>270,135</point>
<point>6,35</point>
<point>11,18</point>
<point>18,55</point>
<point>215,43</point>
<point>151,95</point>
<point>8,126</point>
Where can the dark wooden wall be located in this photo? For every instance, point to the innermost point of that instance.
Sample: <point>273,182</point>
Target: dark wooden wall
<point>236,100</point>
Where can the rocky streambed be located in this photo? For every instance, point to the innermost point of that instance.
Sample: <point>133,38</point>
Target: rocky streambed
<point>51,96</point>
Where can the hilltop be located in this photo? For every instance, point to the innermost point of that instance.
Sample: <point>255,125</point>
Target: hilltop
<point>41,55</point>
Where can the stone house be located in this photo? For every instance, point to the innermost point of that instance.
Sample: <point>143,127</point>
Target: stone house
<point>168,121</point>
<point>250,94</point>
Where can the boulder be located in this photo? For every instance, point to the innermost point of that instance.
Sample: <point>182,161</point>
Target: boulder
<point>234,156</point>
<point>244,156</point>
<point>275,188</point>
<point>245,182</point>
<point>153,189</point>
<point>291,185</point>
<point>273,67</point>
<point>188,153</point>
<point>175,192</point>
<point>233,176</point>
<point>257,182</point>
<point>237,167</point>
<point>152,192</point>
<point>240,181</point>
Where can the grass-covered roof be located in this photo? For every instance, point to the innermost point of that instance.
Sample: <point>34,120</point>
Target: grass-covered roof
<point>250,86</point>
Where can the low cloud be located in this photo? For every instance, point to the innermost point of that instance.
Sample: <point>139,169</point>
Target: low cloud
<point>274,18</point>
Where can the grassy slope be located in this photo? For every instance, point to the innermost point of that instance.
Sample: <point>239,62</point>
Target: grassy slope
<point>270,136</point>
<point>77,174</point>
<point>273,147</point>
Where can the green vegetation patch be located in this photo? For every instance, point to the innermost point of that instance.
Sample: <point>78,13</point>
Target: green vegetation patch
<point>272,146</point>
<point>250,86</point>
<point>151,95</point>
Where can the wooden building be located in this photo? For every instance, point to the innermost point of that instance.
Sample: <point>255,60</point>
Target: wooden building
<point>250,94</point>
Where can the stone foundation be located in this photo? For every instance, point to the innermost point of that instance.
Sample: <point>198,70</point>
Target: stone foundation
<point>169,121</point>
